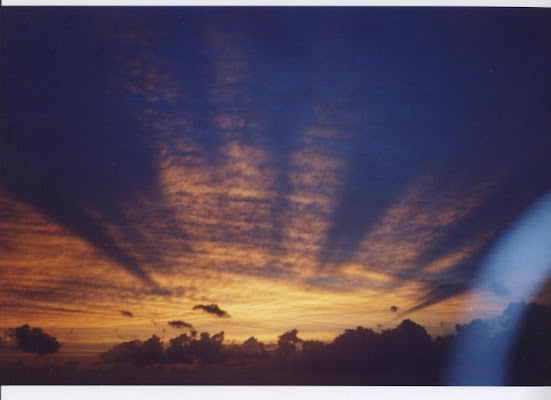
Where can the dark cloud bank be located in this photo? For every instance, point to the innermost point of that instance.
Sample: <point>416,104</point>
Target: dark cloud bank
<point>404,355</point>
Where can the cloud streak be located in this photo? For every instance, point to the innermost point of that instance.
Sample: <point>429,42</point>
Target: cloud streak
<point>212,309</point>
<point>180,324</point>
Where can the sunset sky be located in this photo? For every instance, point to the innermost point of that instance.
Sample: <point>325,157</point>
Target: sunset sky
<point>308,168</point>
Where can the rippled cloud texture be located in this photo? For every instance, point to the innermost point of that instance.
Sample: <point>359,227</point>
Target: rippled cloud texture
<point>290,166</point>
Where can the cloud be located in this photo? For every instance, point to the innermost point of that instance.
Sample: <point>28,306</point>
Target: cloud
<point>212,309</point>
<point>126,313</point>
<point>182,349</point>
<point>290,337</point>
<point>288,344</point>
<point>85,191</point>
<point>206,349</point>
<point>91,193</point>
<point>179,349</point>
<point>489,344</point>
<point>252,347</point>
<point>136,352</point>
<point>35,341</point>
<point>405,354</point>
<point>187,349</point>
<point>209,349</point>
<point>393,308</point>
<point>180,324</point>
<point>404,348</point>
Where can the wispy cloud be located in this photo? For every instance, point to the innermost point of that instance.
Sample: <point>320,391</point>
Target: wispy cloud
<point>212,309</point>
<point>180,324</point>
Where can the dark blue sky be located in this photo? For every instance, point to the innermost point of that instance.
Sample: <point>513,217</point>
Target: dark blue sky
<point>461,94</point>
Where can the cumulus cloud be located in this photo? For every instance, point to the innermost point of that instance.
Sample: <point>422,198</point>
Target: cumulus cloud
<point>34,340</point>
<point>404,348</point>
<point>250,349</point>
<point>530,352</point>
<point>288,343</point>
<point>126,313</point>
<point>179,349</point>
<point>136,352</point>
<point>405,354</point>
<point>180,324</point>
<point>252,346</point>
<point>206,349</point>
<point>212,309</point>
<point>186,348</point>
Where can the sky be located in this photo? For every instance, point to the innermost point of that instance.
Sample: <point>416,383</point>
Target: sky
<point>255,170</point>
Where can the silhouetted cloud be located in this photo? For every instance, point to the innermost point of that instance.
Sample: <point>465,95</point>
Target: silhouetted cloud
<point>288,343</point>
<point>136,352</point>
<point>34,340</point>
<point>186,348</point>
<point>126,313</point>
<point>406,349</point>
<point>529,356</point>
<point>180,324</point>
<point>208,348</point>
<point>179,349</point>
<point>182,349</point>
<point>402,355</point>
<point>290,337</point>
<point>212,309</point>
<point>205,349</point>
<point>253,348</point>
<point>393,308</point>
